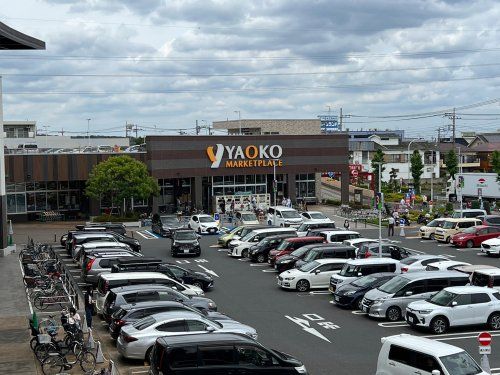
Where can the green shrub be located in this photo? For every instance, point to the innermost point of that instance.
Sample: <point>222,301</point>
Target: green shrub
<point>333,202</point>
<point>449,207</point>
<point>116,219</point>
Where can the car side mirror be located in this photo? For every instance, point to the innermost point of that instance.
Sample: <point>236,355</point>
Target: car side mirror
<point>436,372</point>
<point>454,303</point>
<point>174,287</point>
<point>408,293</point>
<point>317,271</point>
<point>360,274</point>
<point>210,329</point>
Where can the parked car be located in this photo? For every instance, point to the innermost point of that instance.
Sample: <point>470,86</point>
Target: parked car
<point>389,300</point>
<point>417,263</point>
<point>124,295</point>
<point>185,242</point>
<point>110,227</point>
<point>203,224</point>
<point>428,231</point>
<point>82,238</point>
<point>314,216</point>
<point>408,354</point>
<point>456,306</point>
<point>453,226</point>
<point>241,247</point>
<point>134,244</point>
<point>282,216</point>
<point>131,313</point>
<point>469,270</point>
<point>355,268</point>
<point>314,224</point>
<point>389,250</point>
<point>82,250</point>
<point>291,244</point>
<point>166,225</point>
<point>313,275</point>
<point>350,294</point>
<point>491,247</point>
<point>282,263</point>
<point>359,242</point>
<point>338,251</point>
<point>100,261</point>
<point>136,341</point>
<point>339,236</point>
<point>237,233</point>
<point>245,218</point>
<point>475,236</point>
<point>445,265</point>
<point>486,277</point>
<point>468,213</point>
<point>491,220</point>
<point>260,252</point>
<point>314,232</point>
<point>199,350</point>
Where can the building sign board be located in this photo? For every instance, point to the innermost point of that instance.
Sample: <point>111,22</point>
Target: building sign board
<point>245,157</point>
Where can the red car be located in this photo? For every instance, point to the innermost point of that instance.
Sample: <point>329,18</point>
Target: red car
<point>474,236</point>
<point>290,244</point>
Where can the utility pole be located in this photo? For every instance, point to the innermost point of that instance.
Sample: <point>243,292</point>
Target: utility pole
<point>453,124</point>
<point>126,129</point>
<point>88,131</point>
<point>453,117</point>
<point>197,128</point>
<point>136,129</point>
<point>341,117</point>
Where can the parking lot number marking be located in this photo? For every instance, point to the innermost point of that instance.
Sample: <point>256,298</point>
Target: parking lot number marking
<point>183,261</point>
<point>201,260</point>
<point>328,325</point>
<point>208,271</point>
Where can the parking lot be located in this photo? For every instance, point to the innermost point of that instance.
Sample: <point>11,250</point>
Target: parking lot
<point>306,325</point>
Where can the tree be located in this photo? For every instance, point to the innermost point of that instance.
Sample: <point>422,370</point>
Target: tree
<point>495,163</point>
<point>451,161</point>
<point>416,168</point>
<point>378,158</point>
<point>393,183</point>
<point>120,178</point>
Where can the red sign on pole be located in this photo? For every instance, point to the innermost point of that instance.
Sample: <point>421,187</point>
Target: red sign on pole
<point>354,173</point>
<point>484,339</point>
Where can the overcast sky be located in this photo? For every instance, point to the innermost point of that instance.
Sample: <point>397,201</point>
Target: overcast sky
<point>168,63</point>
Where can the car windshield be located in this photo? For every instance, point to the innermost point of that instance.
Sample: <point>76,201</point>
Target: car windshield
<point>247,237</point>
<point>300,251</point>
<point>283,245</point>
<point>245,231</point>
<point>364,281</point>
<point>169,220</point>
<point>349,270</point>
<point>207,219</point>
<point>448,225</point>
<point>185,236</point>
<point>311,255</point>
<point>470,230</point>
<point>317,215</point>
<point>290,214</point>
<point>460,364</point>
<point>443,298</point>
<point>434,223</point>
<point>393,285</point>
<point>309,266</point>
<point>408,261</point>
<point>144,323</point>
<point>303,227</point>
<point>248,217</point>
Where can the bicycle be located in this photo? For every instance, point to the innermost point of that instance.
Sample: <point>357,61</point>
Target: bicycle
<point>56,362</point>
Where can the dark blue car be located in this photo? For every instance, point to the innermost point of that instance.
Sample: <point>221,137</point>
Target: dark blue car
<point>351,294</point>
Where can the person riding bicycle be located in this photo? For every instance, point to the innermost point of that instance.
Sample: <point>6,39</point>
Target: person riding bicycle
<point>74,318</point>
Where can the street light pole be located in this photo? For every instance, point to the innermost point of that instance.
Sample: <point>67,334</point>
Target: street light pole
<point>88,131</point>
<point>275,187</point>
<point>380,211</point>
<point>239,119</point>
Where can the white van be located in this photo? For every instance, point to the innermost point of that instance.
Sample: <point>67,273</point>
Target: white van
<point>408,354</point>
<point>486,277</point>
<point>239,248</point>
<point>468,213</point>
<point>339,236</point>
<point>107,281</point>
<point>282,216</point>
<point>453,226</point>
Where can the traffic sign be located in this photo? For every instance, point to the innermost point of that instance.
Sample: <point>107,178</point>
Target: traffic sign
<point>484,338</point>
<point>331,174</point>
<point>485,350</point>
<point>216,217</point>
<point>355,173</point>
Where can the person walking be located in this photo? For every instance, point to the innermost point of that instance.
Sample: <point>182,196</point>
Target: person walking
<point>89,306</point>
<point>391,226</point>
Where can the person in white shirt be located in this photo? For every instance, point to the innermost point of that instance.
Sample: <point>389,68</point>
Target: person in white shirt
<point>391,226</point>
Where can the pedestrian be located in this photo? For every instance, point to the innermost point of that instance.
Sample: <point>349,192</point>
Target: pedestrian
<point>231,206</point>
<point>288,202</point>
<point>89,306</point>
<point>346,224</point>
<point>305,205</point>
<point>283,202</point>
<point>74,318</point>
<point>395,215</point>
<point>391,226</point>
<point>222,205</point>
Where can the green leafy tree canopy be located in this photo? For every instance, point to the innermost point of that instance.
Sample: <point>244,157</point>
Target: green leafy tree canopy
<point>416,169</point>
<point>451,161</point>
<point>119,178</point>
<point>495,163</point>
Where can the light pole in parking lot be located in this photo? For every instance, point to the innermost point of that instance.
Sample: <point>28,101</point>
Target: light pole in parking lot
<point>379,206</point>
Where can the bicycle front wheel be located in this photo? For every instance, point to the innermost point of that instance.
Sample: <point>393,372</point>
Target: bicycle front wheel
<point>53,365</point>
<point>87,362</point>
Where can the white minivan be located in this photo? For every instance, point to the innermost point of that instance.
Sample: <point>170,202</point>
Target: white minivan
<point>282,216</point>
<point>239,248</point>
<point>339,236</point>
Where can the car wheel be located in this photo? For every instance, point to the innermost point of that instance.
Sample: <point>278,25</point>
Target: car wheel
<point>269,222</point>
<point>147,357</point>
<point>261,258</point>
<point>439,325</point>
<point>432,236</point>
<point>469,244</point>
<point>358,304</point>
<point>244,253</point>
<point>393,314</point>
<point>199,230</point>
<point>282,225</point>
<point>189,226</point>
<point>198,284</point>
<point>494,321</point>
<point>302,285</point>
<point>448,239</point>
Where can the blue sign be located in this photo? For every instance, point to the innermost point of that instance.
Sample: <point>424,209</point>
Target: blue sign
<point>329,124</point>
<point>216,217</point>
<point>331,174</point>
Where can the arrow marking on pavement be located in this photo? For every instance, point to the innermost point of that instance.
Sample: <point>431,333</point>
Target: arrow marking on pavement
<point>208,271</point>
<point>306,327</point>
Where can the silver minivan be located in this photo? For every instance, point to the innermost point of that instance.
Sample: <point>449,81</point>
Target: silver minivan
<point>391,299</point>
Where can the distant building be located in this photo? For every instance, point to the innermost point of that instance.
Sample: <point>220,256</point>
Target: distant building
<point>270,127</point>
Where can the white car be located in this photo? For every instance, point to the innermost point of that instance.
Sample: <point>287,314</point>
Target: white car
<point>417,263</point>
<point>203,224</point>
<point>312,275</point>
<point>306,226</point>
<point>314,216</point>
<point>246,218</point>
<point>491,246</point>
<point>456,306</point>
<point>445,265</point>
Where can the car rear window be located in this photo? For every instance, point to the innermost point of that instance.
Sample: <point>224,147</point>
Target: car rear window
<point>119,314</point>
<point>408,261</point>
<point>144,323</point>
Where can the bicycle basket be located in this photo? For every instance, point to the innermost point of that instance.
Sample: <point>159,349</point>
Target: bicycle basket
<point>44,339</point>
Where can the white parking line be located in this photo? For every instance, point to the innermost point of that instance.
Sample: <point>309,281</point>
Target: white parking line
<point>358,312</point>
<point>320,292</point>
<point>461,333</point>
<point>215,246</point>
<point>244,260</point>
<point>258,265</point>
<point>273,271</point>
<point>393,324</point>
<point>142,235</point>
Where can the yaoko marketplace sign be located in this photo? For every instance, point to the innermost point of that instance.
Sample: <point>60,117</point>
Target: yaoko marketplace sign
<point>245,156</point>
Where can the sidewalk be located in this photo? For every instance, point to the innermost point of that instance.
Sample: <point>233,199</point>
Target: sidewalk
<point>17,356</point>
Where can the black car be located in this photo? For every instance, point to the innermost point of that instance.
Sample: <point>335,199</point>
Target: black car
<point>287,262</point>
<point>134,244</point>
<point>334,250</point>
<point>174,271</point>
<point>128,314</point>
<point>389,250</point>
<point>260,251</point>
<point>351,294</point>
<point>185,242</point>
<point>109,227</point>
<point>166,226</point>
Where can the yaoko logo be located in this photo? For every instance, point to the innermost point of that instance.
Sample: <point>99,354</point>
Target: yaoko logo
<point>245,156</point>
<point>481,182</point>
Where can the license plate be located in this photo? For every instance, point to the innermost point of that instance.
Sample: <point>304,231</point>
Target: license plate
<point>410,319</point>
<point>337,298</point>
<point>275,266</point>
<point>279,283</point>
<point>365,309</point>
<point>186,251</point>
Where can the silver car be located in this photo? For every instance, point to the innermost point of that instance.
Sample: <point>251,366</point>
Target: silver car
<point>100,262</point>
<point>137,340</point>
